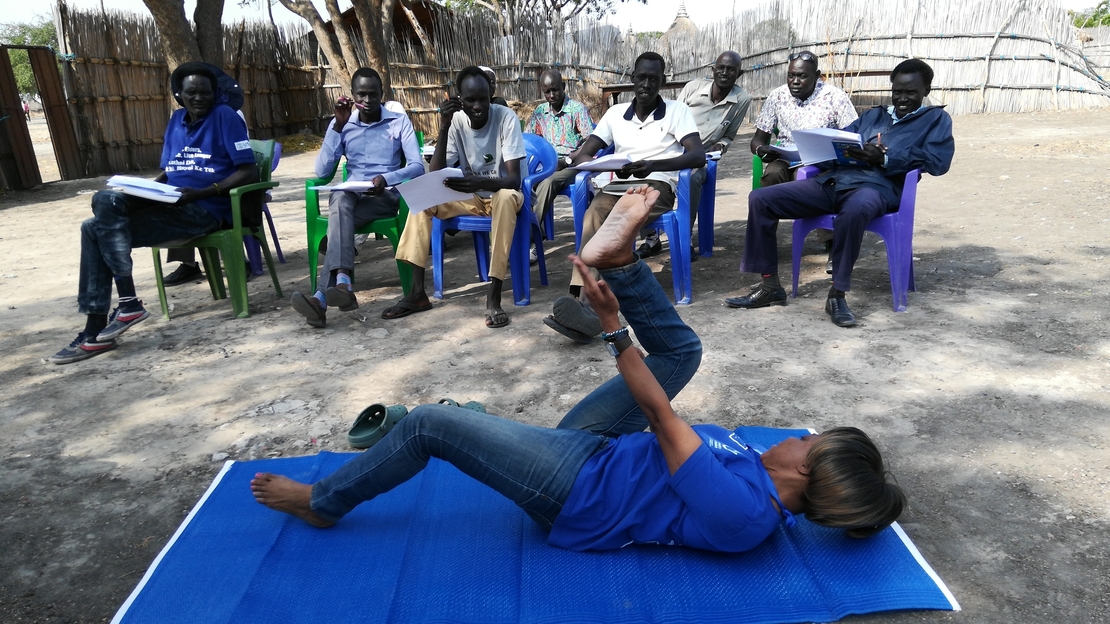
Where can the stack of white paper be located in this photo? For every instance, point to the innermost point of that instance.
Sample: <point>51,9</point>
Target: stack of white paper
<point>148,189</point>
<point>612,162</point>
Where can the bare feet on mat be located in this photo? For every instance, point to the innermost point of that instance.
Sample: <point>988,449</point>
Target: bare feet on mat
<point>611,246</point>
<point>283,494</point>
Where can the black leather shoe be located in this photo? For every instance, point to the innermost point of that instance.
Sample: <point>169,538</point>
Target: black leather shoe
<point>650,247</point>
<point>761,297</point>
<point>182,274</point>
<point>837,308</point>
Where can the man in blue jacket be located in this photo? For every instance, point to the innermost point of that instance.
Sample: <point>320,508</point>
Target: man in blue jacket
<point>897,138</point>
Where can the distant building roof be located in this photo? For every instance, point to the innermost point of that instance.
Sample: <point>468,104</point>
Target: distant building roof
<point>682,25</point>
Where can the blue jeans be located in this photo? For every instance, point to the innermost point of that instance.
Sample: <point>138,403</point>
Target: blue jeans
<point>120,223</point>
<point>674,354</point>
<point>535,467</point>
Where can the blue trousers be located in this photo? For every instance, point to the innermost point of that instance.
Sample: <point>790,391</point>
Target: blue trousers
<point>119,224</point>
<point>535,467</point>
<point>854,208</point>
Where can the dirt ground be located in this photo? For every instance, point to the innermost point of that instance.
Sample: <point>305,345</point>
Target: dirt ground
<point>989,396</point>
<point>44,149</point>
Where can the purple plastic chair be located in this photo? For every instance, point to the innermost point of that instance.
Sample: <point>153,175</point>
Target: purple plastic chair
<point>254,250</point>
<point>675,223</point>
<point>539,164</point>
<point>895,228</point>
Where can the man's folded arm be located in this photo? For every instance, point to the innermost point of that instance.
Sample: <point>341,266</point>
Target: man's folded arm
<point>933,153</point>
<point>414,161</point>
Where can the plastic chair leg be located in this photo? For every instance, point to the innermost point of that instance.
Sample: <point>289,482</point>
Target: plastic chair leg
<point>211,260</point>
<point>680,261</point>
<point>273,233</point>
<point>519,267</point>
<point>254,254</point>
<point>237,279</point>
<point>158,281</point>
<point>270,265</point>
<point>437,258</point>
<point>799,239</point>
<point>707,207</point>
<point>481,254</point>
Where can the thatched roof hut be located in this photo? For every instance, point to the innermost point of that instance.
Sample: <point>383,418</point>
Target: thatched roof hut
<point>682,25</point>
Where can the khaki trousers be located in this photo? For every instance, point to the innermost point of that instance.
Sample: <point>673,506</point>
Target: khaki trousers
<point>415,246</point>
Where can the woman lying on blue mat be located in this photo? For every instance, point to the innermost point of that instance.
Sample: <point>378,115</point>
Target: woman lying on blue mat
<point>600,482</point>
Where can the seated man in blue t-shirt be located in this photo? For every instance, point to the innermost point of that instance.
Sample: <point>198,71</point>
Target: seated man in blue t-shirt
<point>599,482</point>
<point>205,153</point>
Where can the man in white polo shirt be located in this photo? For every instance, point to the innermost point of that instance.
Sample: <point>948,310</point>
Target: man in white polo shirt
<point>660,137</point>
<point>718,105</point>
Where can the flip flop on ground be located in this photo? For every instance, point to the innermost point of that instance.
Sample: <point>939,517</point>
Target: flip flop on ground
<point>404,308</point>
<point>496,318</point>
<point>573,320</point>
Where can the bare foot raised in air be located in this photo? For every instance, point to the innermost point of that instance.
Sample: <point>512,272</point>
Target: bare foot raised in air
<point>611,246</point>
<point>283,494</point>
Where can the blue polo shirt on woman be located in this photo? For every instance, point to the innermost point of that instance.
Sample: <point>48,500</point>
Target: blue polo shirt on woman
<point>719,499</point>
<point>200,154</point>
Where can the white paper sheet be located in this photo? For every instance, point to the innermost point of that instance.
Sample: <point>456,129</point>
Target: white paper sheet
<point>816,146</point>
<point>141,187</point>
<point>351,185</point>
<point>612,162</point>
<point>429,190</point>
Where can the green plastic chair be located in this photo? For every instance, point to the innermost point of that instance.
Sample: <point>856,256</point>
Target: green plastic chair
<point>757,171</point>
<point>228,243</point>
<point>317,226</point>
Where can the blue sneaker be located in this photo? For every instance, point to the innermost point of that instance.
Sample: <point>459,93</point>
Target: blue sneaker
<point>120,321</point>
<point>81,349</point>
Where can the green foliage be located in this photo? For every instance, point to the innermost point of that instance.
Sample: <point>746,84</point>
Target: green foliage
<point>649,36</point>
<point>1097,16</point>
<point>39,32</point>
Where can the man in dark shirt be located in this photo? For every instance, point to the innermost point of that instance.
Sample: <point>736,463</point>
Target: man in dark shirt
<point>897,138</point>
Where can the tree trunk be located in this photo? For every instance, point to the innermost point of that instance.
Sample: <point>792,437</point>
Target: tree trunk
<point>375,17</point>
<point>210,33</point>
<point>326,39</point>
<point>341,35</point>
<point>425,40</point>
<point>178,42</point>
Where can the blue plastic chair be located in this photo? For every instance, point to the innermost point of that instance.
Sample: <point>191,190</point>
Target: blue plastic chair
<point>676,224</point>
<point>254,250</point>
<point>539,164</point>
<point>895,228</point>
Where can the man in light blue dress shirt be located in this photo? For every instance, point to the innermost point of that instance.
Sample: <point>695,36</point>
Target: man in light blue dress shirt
<point>381,148</point>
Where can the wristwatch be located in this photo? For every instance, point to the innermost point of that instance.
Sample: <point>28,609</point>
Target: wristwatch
<point>568,160</point>
<point>616,342</point>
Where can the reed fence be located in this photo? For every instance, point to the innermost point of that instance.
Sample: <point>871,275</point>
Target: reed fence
<point>1008,56</point>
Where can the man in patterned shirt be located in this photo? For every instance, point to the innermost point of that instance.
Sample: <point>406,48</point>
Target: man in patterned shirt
<point>565,123</point>
<point>803,103</point>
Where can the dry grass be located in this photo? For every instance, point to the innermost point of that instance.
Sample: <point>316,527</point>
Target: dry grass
<point>300,143</point>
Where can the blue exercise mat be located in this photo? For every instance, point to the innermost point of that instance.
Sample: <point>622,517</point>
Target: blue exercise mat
<point>444,548</point>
